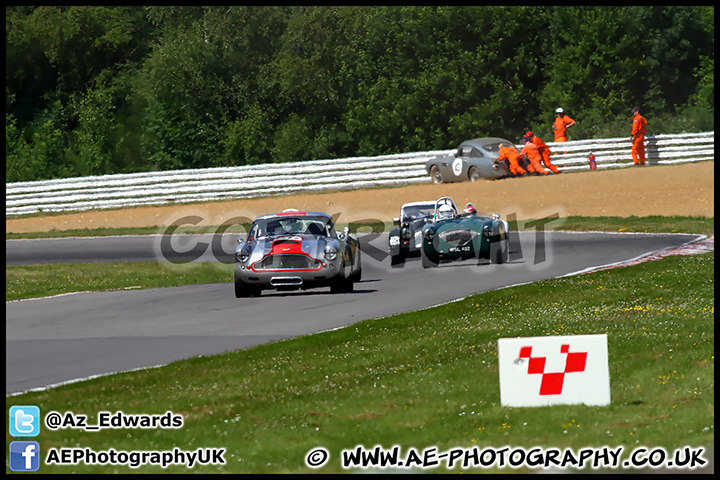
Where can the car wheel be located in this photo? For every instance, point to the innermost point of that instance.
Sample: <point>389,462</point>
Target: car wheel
<point>357,274</point>
<point>435,175</point>
<point>243,290</point>
<point>397,260</point>
<point>427,262</point>
<point>344,285</point>
<point>473,174</point>
<point>499,252</point>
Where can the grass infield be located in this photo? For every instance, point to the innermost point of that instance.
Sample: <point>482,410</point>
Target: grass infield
<point>422,379</point>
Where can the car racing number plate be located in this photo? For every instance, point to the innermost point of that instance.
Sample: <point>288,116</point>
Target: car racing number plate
<point>457,166</point>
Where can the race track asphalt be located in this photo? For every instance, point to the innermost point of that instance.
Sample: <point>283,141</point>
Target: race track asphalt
<point>65,338</point>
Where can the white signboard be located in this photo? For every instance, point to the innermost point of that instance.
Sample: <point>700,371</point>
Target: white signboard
<point>566,370</point>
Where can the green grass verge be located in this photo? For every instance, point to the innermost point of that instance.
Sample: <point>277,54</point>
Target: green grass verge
<point>44,280</point>
<point>426,379</point>
<point>654,224</point>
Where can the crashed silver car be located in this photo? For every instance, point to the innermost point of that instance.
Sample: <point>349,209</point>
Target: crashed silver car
<point>473,160</point>
<point>295,250</point>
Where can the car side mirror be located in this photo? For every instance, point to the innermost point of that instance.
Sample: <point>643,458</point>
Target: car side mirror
<point>240,241</point>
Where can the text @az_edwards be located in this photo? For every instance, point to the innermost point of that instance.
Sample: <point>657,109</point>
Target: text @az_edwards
<point>58,421</point>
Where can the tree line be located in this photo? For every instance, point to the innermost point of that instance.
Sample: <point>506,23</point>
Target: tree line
<point>94,90</point>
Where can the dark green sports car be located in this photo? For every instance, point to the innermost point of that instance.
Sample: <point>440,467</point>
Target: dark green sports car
<point>451,235</point>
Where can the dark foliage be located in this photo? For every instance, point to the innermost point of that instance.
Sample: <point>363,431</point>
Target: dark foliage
<point>94,90</point>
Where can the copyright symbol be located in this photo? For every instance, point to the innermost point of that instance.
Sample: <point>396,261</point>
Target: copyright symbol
<point>316,458</point>
<point>53,420</point>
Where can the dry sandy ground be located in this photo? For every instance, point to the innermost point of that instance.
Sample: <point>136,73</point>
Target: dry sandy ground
<point>687,190</point>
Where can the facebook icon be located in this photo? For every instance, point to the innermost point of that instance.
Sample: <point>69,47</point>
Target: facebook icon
<point>24,456</point>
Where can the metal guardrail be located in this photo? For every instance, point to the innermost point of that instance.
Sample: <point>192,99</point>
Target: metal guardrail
<point>150,188</point>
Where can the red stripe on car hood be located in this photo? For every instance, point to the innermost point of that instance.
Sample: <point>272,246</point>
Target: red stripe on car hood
<point>285,247</point>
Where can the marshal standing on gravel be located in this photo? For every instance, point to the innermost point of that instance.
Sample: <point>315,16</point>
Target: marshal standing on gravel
<point>639,127</point>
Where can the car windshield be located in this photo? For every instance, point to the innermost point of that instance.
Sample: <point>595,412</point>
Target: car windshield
<point>292,225</point>
<point>417,211</point>
<point>494,148</point>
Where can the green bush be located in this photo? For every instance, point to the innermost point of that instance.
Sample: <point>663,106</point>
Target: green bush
<point>100,90</point>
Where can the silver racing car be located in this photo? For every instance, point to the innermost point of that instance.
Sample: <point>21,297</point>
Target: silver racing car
<point>295,250</point>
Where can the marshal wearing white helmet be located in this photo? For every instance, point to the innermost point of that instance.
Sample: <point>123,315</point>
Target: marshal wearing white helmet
<point>561,124</point>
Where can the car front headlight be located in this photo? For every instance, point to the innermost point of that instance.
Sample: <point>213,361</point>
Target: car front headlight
<point>330,252</point>
<point>242,255</point>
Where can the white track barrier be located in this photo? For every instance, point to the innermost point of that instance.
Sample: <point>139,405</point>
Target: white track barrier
<point>153,188</point>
